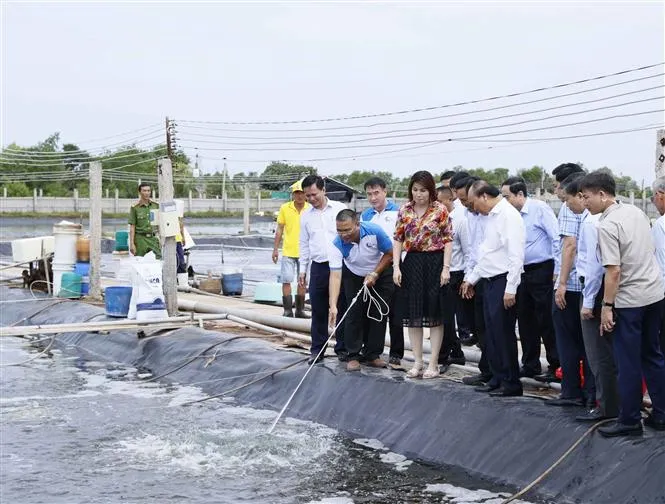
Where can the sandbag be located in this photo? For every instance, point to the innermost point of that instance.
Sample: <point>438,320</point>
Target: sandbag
<point>147,302</point>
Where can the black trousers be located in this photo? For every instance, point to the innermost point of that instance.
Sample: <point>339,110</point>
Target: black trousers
<point>395,324</point>
<point>534,316</point>
<point>570,343</point>
<point>359,328</point>
<point>479,329</point>
<point>501,339</point>
<point>451,343</point>
<point>319,281</point>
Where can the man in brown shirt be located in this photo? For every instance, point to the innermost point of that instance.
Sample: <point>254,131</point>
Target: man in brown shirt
<point>632,309</point>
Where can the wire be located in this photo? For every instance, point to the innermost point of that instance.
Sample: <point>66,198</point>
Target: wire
<point>337,135</point>
<point>430,142</point>
<point>120,155</point>
<point>382,153</point>
<point>131,141</point>
<point>424,109</point>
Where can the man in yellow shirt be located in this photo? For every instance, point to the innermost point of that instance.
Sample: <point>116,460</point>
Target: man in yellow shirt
<point>288,226</point>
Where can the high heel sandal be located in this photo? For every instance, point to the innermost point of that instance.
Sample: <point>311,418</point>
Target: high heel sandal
<point>431,373</point>
<point>415,371</point>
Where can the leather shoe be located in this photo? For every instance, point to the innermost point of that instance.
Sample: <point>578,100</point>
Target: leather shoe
<point>487,388</point>
<point>561,401</point>
<point>527,373</point>
<point>593,415</point>
<point>315,360</point>
<point>502,392</point>
<point>658,424</point>
<point>548,377</point>
<point>618,429</point>
<point>469,341</point>
<point>475,380</point>
<point>377,363</point>
<point>353,365</point>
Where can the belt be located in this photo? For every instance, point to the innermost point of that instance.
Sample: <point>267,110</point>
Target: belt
<point>535,266</point>
<point>496,277</point>
<point>147,235</point>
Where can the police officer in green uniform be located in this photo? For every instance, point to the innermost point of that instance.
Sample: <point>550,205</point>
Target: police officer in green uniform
<point>142,238</point>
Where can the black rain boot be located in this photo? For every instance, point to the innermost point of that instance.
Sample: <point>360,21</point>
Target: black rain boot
<point>300,307</point>
<point>288,306</point>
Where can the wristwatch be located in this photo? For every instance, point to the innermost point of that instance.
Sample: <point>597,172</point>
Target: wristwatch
<point>609,305</point>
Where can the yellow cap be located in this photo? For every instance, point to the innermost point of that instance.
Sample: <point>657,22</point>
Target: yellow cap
<point>297,186</point>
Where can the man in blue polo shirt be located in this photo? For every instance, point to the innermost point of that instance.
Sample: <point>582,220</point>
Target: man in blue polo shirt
<point>361,254</point>
<point>383,212</point>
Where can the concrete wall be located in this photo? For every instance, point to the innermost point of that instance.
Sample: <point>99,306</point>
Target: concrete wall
<point>47,205</point>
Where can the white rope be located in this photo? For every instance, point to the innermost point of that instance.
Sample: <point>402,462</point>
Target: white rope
<point>366,293</point>
<point>374,301</point>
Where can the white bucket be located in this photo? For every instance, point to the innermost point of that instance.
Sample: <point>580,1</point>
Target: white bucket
<point>183,279</point>
<point>122,267</point>
<point>58,270</point>
<point>65,235</point>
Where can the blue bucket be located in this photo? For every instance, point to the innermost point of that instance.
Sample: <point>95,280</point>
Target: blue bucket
<point>70,286</point>
<point>232,284</point>
<point>116,300</point>
<point>83,269</point>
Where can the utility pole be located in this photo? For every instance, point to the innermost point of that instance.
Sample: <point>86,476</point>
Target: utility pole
<point>224,187</point>
<point>165,183</point>
<point>660,153</point>
<point>95,217</point>
<point>245,212</point>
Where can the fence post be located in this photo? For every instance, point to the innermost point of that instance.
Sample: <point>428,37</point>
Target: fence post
<point>189,201</point>
<point>116,203</point>
<point>258,201</point>
<point>34,199</point>
<point>4,192</point>
<point>632,197</point>
<point>245,212</point>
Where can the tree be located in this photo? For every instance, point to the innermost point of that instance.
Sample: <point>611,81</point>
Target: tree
<point>278,174</point>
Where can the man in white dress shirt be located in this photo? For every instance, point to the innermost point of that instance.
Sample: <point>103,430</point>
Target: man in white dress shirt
<point>535,295</point>
<point>317,232</point>
<point>658,233</point>
<point>499,266</point>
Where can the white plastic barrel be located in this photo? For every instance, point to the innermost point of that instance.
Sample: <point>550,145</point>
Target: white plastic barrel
<point>65,235</point>
<point>58,270</point>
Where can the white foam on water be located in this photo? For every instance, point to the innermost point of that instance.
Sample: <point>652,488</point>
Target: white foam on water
<point>400,462</point>
<point>333,500</point>
<point>459,495</point>
<point>374,444</point>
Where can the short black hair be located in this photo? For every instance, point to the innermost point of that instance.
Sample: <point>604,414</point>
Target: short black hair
<point>599,181</point>
<point>458,176</point>
<point>447,174</point>
<point>310,180</point>
<point>480,187</point>
<point>446,190</point>
<point>144,184</point>
<point>346,215</point>
<point>515,185</point>
<point>374,182</point>
<point>467,182</point>
<point>566,169</point>
<point>572,183</point>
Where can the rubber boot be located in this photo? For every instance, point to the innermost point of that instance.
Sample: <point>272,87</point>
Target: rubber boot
<point>300,307</point>
<point>287,301</point>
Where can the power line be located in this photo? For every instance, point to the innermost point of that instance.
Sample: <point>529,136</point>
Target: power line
<point>151,126</point>
<point>457,114</point>
<point>425,109</point>
<point>38,163</point>
<point>421,133</point>
<point>424,143</point>
<point>102,149</point>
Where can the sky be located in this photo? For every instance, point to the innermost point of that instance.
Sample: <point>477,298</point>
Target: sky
<point>98,72</point>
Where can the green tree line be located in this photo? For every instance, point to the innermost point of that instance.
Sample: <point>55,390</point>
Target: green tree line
<point>58,168</point>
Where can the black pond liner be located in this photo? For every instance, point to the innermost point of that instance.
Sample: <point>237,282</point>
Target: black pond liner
<point>506,441</point>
